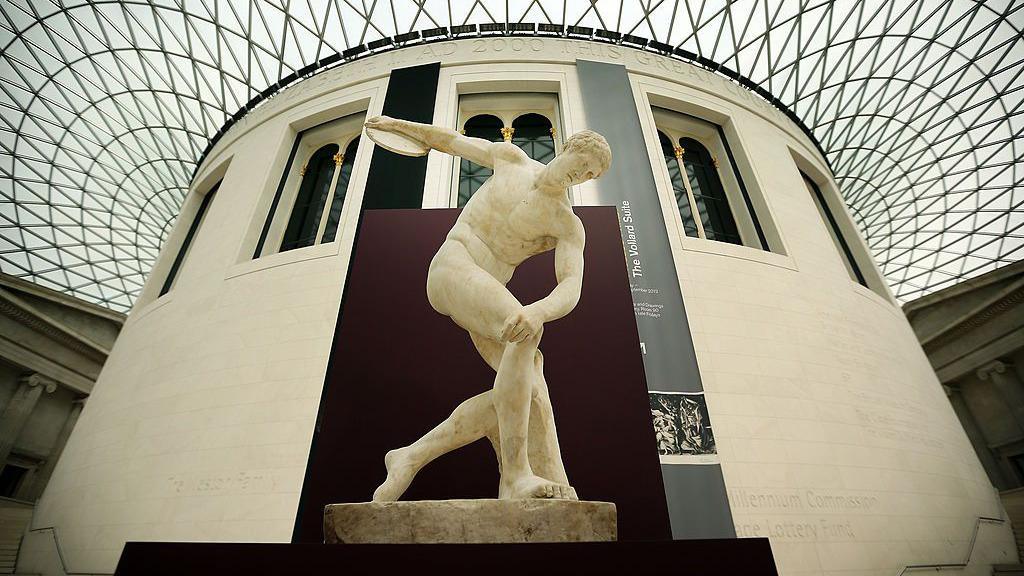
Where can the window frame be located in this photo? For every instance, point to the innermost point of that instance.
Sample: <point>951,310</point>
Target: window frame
<point>817,174</point>
<point>504,77</point>
<point>732,117</point>
<point>832,226</point>
<point>342,131</point>
<point>678,126</point>
<point>327,156</point>
<point>186,244</point>
<point>265,175</point>
<point>507,106</point>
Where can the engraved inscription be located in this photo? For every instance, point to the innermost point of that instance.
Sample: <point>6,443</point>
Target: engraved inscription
<point>816,515</point>
<point>218,484</point>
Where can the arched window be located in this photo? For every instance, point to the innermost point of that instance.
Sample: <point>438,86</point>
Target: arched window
<point>348,160</point>
<point>525,119</point>
<point>712,199</point>
<point>317,176</point>
<point>708,192</point>
<point>472,176</point>
<point>309,202</point>
<point>534,134</point>
<point>684,203</point>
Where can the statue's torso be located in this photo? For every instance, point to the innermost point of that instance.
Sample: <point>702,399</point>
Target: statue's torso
<point>508,220</point>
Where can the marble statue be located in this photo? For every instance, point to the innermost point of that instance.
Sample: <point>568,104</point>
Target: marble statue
<point>521,211</point>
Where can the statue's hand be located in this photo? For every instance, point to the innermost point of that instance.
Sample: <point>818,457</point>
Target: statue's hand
<point>523,324</point>
<point>385,123</point>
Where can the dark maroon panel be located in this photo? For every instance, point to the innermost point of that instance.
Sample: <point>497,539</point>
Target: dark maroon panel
<point>746,556</point>
<point>398,368</point>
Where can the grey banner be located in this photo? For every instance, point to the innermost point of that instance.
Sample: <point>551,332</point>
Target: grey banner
<point>698,506</point>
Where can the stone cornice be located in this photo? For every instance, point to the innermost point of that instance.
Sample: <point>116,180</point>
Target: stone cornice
<point>24,313</point>
<point>1012,296</point>
<point>8,281</point>
<point>32,360</point>
<point>915,306</point>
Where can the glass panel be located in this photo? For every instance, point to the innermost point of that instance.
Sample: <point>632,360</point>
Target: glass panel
<point>678,188</point>
<point>339,192</point>
<point>533,134</point>
<point>472,176</point>
<point>947,207</point>
<point>708,193</point>
<point>309,204</point>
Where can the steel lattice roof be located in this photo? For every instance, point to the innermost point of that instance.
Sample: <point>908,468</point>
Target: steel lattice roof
<point>108,105</point>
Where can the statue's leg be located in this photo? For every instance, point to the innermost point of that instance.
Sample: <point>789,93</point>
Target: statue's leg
<point>476,301</point>
<point>473,419</point>
<point>544,453</point>
<point>470,421</point>
<point>513,396</point>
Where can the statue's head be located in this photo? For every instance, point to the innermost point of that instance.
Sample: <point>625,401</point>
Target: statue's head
<point>585,156</point>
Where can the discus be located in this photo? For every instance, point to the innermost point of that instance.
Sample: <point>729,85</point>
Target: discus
<point>397,143</point>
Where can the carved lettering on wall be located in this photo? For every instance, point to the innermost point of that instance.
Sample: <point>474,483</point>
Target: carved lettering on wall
<point>506,48</point>
<point>222,483</point>
<point>817,515</point>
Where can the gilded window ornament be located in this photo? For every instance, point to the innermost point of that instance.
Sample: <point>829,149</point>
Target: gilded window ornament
<point>507,132</point>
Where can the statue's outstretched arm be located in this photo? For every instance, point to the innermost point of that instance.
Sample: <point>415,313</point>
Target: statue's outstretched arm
<point>476,150</point>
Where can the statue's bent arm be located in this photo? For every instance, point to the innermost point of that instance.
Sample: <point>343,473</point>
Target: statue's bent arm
<point>568,273</point>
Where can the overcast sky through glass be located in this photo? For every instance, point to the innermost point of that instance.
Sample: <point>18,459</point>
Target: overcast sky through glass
<point>106,108</point>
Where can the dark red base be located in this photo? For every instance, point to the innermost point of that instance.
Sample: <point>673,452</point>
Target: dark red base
<point>747,556</point>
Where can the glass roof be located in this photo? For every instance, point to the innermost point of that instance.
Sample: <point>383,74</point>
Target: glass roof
<point>106,106</point>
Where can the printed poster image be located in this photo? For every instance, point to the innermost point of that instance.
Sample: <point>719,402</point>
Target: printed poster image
<point>682,428</point>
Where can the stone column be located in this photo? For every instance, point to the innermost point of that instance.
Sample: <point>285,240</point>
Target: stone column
<point>977,439</point>
<point>19,409</point>
<point>1009,386</point>
<point>43,475</point>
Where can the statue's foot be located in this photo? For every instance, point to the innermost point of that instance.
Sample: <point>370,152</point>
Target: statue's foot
<point>530,486</point>
<point>401,470</point>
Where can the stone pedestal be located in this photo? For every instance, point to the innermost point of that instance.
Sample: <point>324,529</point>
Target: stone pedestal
<point>469,521</point>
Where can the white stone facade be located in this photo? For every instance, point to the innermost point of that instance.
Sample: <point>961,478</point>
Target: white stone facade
<point>835,438</point>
